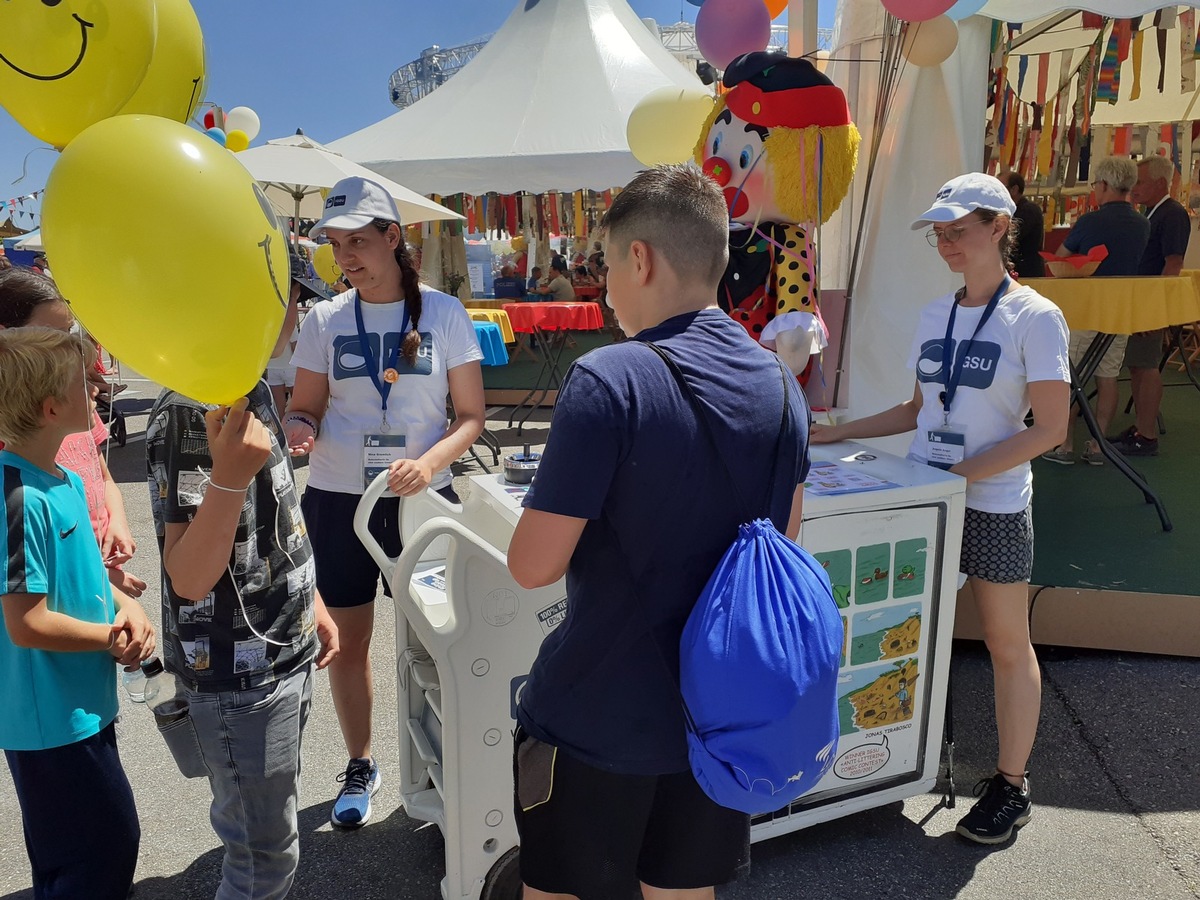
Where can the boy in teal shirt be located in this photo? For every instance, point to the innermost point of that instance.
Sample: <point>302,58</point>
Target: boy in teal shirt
<point>63,628</point>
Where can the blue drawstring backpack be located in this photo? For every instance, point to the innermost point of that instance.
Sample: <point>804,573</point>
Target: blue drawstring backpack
<point>759,661</point>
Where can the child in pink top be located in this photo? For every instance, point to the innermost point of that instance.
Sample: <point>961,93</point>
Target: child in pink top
<point>27,298</point>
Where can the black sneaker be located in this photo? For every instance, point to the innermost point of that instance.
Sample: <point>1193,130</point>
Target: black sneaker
<point>1123,436</point>
<point>1137,444</point>
<point>999,809</point>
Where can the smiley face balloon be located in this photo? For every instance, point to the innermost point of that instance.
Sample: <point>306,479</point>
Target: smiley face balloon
<point>174,83</point>
<point>136,237</point>
<point>66,64</point>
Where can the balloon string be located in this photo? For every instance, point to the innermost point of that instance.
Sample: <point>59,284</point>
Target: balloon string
<point>25,163</point>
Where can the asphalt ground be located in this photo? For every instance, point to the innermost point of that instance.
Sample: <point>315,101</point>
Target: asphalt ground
<point>1115,774</point>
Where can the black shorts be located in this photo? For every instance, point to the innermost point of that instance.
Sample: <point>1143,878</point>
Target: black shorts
<point>998,547</point>
<point>346,573</point>
<point>595,834</point>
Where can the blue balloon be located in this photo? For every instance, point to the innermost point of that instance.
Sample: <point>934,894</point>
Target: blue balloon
<point>696,2</point>
<point>217,134</point>
<point>964,8</point>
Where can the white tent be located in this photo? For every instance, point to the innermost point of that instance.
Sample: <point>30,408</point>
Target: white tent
<point>936,131</point>
<point>542,107</point>
<point>31,241</point>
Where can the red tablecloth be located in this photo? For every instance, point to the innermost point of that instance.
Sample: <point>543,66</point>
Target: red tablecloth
<point>554,316</point>
<point>587,291</point>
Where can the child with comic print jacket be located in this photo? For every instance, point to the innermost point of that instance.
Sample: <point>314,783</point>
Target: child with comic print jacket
<point>243,624</point>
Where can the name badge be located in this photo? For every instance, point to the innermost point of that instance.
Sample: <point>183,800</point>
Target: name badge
<point>379,452</point>
<point>945,447</point>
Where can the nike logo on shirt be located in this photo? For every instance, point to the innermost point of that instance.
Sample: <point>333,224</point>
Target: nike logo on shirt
<point>66,534</point>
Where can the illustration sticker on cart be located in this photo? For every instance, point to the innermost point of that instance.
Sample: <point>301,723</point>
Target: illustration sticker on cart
<point>877,566</point>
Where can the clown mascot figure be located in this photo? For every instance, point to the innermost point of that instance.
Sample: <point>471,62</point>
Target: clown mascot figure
<point>782,146</point>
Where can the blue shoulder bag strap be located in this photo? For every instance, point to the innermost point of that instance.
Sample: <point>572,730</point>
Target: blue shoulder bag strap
<point>702,416</point>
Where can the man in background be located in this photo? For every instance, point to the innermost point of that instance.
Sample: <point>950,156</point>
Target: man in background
<point>1030,230</point>
<point>508,285</point>
<point>1121,229</point>
<point>1170,228</point>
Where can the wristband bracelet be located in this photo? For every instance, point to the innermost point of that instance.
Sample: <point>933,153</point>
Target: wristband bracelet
<point>112,640</point>
<point>305,419</point>
<point>221,487</point>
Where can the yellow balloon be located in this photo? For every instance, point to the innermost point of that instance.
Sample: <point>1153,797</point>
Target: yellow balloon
<point>174,83</point>
<point>931,42</point>
<point>187,208</point>
<point>662,127</point>
<point>327,270</point>
<point>236,141</point>
<point>519,244</point>
<point>68,65</point>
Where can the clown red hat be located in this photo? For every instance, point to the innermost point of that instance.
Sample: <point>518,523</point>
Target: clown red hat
<point>778,91</point>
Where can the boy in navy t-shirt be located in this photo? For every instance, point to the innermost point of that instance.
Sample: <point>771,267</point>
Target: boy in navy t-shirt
<point>63,630</point>
<point>633,504</point>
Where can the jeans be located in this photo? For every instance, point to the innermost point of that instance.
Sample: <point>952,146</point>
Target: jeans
<point>81,827</point>
<point>249,742</point>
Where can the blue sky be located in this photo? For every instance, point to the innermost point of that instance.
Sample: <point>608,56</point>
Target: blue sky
<point>320,65</point>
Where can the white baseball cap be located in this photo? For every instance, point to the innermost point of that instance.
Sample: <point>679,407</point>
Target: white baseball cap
<point>355,203</point>
<point>963,195</point>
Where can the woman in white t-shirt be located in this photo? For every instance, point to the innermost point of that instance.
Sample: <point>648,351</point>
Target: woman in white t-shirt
<point>1008,354</point>
<point>373,368</point>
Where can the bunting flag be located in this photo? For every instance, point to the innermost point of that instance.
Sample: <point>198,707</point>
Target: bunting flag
<point>1187,47</point>
<point>1045,148</point>
<point>1022,69</point>
<point>1122,140</point>
<point>1109,82</point>
<point>1160,39</point>
<point>1087,95</point>
<point>1139,40</point>
<point>1092,21</point>
<point>581,228</point>
<point>1123,29</point>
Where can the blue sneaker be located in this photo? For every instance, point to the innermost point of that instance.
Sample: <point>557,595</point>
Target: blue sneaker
<point>352,808</point>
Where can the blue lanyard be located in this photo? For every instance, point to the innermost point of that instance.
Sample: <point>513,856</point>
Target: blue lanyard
<point>954,376</point>
<point>384,387</point>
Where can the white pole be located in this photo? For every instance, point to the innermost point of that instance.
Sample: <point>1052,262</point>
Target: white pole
<point>802,27</point>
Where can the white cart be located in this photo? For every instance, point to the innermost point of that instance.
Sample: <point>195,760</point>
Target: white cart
<point>467,634</point>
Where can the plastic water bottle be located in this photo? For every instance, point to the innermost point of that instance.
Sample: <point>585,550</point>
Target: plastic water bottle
<point>162,694</point>
<point>135,684</point>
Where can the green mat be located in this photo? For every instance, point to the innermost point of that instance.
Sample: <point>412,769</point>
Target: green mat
<point>522,374</point>
<point>1093,529</point>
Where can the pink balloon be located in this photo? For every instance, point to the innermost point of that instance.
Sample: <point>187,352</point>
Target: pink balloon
<point>917,10</point>
<point>725,29</point>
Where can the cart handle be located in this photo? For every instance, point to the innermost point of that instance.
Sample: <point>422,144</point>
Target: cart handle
<point>406,565</point>
<point>362,517</point>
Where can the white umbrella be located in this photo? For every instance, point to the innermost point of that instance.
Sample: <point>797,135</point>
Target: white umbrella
<point>31,241</point>
<point>294,170</point>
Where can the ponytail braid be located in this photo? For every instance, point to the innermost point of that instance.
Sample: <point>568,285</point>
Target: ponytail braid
<point>410,282</point>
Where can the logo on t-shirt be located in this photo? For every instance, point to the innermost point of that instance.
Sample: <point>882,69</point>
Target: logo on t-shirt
<point>66,533</point>
<point>978,370</point>
<point>349,361</point>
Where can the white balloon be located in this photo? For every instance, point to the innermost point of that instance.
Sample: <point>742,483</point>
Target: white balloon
<point>243,118</point>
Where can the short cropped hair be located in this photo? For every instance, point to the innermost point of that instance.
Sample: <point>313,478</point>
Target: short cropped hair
<point>681,213</point>
<point>1159,167</point>
<point>22,291</point>
<point>37,363</point>
<point>1015,180</point>
<point>1118,172</point>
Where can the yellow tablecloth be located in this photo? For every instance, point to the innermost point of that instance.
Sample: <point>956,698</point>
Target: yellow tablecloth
<point>1123,305</point>
<point>498,316</point>
<point>487,304</point>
